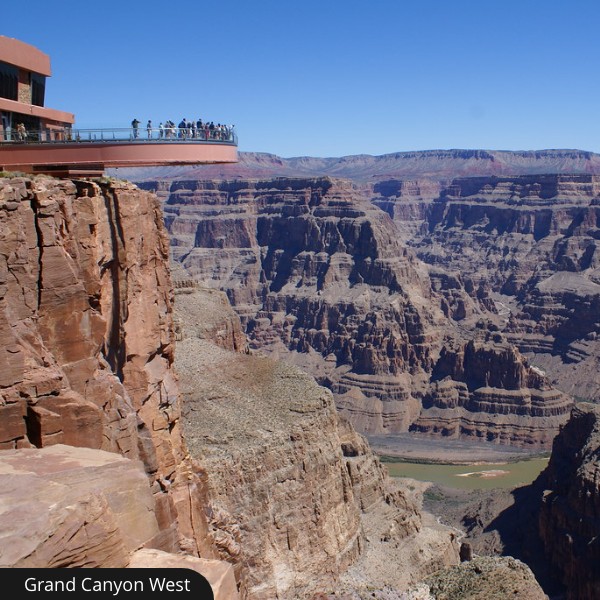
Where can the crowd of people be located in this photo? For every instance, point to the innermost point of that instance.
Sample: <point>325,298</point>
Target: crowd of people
<point>193,130</point>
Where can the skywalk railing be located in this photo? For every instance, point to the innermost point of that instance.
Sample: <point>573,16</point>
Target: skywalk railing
<point>222,135</point>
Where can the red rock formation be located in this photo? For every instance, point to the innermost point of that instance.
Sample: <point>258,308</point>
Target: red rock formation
<point>86,336</point>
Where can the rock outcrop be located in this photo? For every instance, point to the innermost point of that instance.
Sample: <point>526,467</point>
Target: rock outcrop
<point>290,486</point>
<point>488,377</point>
<point>569,523</point>
<point>218,573</point>
<point>86,344</point>
<point>486,577</point>
<point>320,276</point>
<point>63,506</point>
<point>551,524</point>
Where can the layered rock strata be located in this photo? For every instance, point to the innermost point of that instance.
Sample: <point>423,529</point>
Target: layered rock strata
<point>289,484</point>
<point>91,428</point>
<point>552,524</point>
<point>531,242</point>
<point>318,275</point>
<point>86,344</point>
<point>489,377</point>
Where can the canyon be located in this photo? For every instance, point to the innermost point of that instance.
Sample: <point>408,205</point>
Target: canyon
<point>176,415</point>
<point>404,320</point>
<point>507,253</point>
<point>273,496</point>
<point>380,293</point>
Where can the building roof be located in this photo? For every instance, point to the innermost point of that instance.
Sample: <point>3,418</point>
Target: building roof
<point>24,56</point>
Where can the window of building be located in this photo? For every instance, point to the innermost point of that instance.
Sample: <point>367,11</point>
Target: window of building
<point>38,87</point>
<point>9,81</point>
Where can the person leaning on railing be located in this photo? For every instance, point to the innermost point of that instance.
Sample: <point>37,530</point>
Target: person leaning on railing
<point>21,132</point>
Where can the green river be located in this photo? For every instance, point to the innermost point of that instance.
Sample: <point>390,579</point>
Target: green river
<point>470,477</point>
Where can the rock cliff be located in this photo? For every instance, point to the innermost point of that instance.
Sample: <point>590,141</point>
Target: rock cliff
<point>569,522</point>
<point>319,275</point>
<point>290,486</point>
<point>86,340</point>
<point>552,524</point>
<point>521,228</point>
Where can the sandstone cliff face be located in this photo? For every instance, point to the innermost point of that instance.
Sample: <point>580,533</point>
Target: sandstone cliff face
<point>86,339</point>
<point>289,484</point>
<point>319,275</point>
<point>570,505</point>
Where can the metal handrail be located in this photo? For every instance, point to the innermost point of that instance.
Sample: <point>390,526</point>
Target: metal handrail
<point>226,135</point>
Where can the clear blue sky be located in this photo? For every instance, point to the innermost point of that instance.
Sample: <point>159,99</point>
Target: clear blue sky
<point>329,77</point>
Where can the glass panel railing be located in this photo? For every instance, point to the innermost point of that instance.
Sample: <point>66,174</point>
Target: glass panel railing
<point>216,135</point>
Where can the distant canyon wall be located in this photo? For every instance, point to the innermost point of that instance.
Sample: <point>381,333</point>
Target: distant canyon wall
<point>533,243</point>
<point>320,274</point>
<point>433,166</point>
